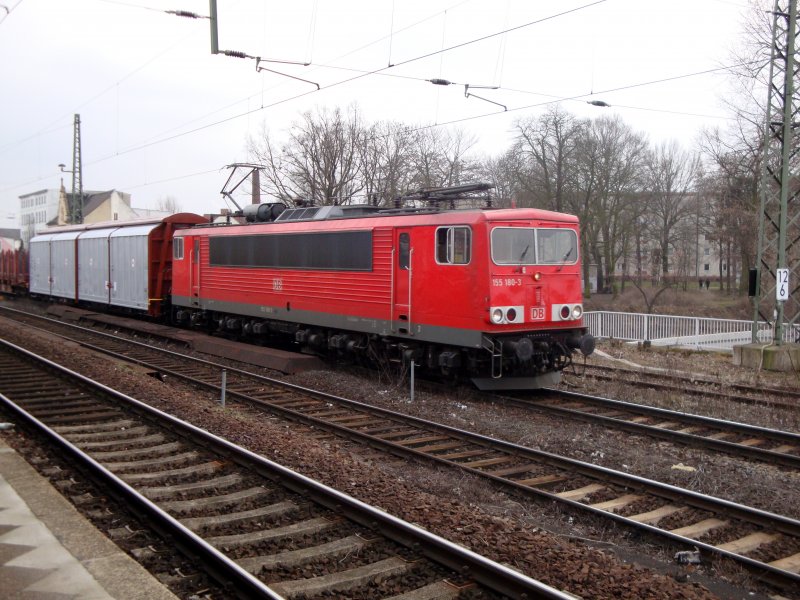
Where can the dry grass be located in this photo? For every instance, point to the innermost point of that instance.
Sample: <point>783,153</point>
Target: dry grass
<point>693,302</point>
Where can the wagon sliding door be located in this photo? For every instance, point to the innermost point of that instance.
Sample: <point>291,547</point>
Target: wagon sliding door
<point>94,279</point>
<point>39,260</point>
<point>402,274</point>
<point>129,260</point>
<point>63,264</point>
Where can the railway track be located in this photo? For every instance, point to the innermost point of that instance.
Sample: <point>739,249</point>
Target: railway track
<point>745,441</point>
<point>778,398</point>
<point>768,545</point>
<point>258,528</point>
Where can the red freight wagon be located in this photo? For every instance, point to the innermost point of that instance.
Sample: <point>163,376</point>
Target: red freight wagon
<point>494,295</point>
<point>13,267</point>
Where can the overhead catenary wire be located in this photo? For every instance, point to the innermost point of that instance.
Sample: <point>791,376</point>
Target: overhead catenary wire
<point>515,109</point>
<point>335,84</point>
<point>312,33</point>
<point>501,51</point>
<point>416,128</point>
<point>316,66</point>
<point>381,73</point>
<point>554,99</point>
<point>391,35</point>
<point>361,75</point>
<point>115,86</point>
<point>5,11</point>
<point>47,129</point>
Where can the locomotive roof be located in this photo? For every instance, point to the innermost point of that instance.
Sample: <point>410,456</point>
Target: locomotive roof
<point>366,214</point>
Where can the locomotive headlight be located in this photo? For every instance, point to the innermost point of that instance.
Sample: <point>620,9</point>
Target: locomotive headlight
<point>511,315</point>
<point>497,316</point>
<point>566,312</point>
<point>537,276</point>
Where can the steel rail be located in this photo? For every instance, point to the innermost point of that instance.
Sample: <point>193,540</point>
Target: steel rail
<point>779,523</point>
<point>495,576</point>
<point>661,385</point>
<point>695,499</point>
<point>690,439</point>
<point>219,566</point>
<point>778,391</point>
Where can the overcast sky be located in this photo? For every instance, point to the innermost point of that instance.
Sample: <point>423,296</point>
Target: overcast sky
<point>161,116</point>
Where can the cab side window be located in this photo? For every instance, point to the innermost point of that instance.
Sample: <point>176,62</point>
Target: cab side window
<point>453,245</point>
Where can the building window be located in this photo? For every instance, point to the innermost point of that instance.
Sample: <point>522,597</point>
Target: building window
<point>116,216</point>
<point>706,251</point>
<point>705,267</point>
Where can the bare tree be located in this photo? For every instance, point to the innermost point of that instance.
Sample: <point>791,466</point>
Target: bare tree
<point>441,157</point>
<point>733,185</point>
<point>616,160</point>
<point>683,253</point>
<point>735,154</point>
<point>169,204</point>
<point>548,146</point>
<point>502,173</point>
<point>385,161</point>
<point>749,61</point>
<point>275,181</point>
<point>671,176</point>
<point>320,162</point>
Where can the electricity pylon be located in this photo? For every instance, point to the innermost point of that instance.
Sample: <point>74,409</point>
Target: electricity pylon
<point>776,295</point>
<point>76,204</point>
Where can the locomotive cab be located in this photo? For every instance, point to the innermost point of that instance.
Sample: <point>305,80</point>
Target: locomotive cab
<point>534,311</point>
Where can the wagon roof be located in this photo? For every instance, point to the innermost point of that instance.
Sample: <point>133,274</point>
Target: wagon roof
<point>180,218</point>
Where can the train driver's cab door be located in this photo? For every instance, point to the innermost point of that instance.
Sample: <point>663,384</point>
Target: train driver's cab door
<point>402,275</point>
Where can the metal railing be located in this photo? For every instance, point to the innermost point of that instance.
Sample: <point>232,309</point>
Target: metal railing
<point>688,332</point>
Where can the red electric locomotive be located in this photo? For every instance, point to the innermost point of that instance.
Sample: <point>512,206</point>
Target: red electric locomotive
<point>489,294</point>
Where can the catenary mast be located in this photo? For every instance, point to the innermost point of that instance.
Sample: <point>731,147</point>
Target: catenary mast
<point>775,280</point>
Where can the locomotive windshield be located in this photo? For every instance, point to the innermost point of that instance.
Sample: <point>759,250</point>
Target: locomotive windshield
<point>528,246</point>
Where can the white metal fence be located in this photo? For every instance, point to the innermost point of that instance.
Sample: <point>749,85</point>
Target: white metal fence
<point>688,332</point>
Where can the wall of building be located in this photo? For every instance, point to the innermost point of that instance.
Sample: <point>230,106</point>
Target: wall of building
<point>36,210</point>
<point>116,208</point>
